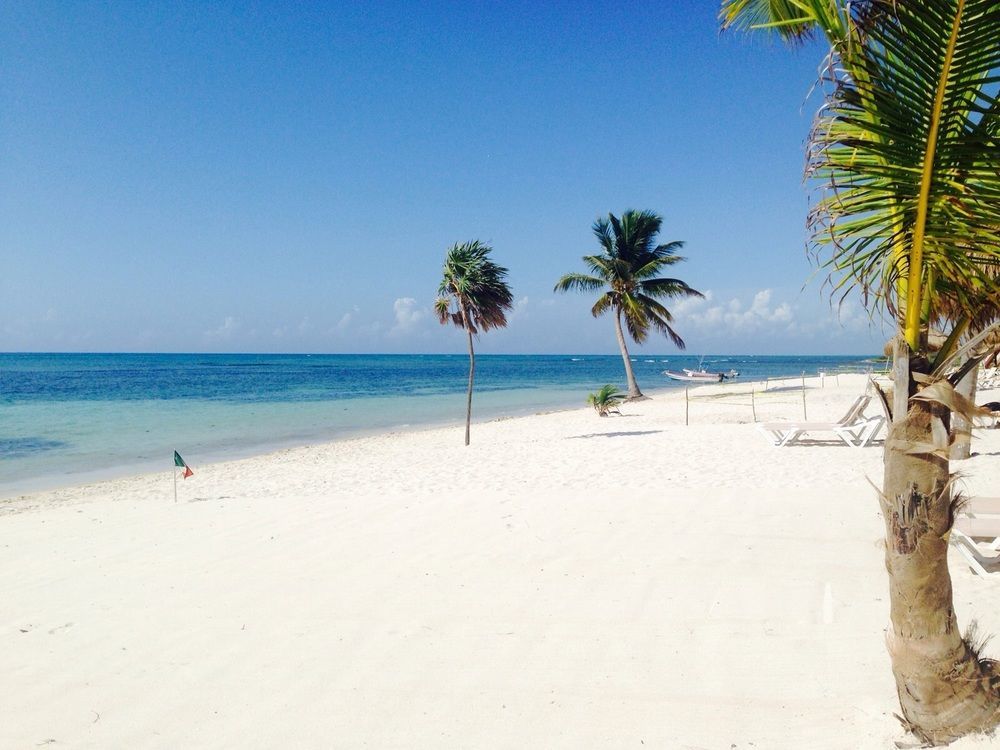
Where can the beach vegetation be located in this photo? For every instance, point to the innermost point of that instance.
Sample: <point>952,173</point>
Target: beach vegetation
<point>606,400</point>
<point>905,155</point>
<point>626,272</point>
<point>473,295</point>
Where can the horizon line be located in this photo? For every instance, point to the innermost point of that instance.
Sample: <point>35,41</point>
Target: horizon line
<point>434,354</point>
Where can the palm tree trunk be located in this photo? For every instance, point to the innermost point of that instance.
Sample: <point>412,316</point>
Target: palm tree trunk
<point>472,375</point>
<point>962,447</point>
<point>945,690</point>
<point>633,387</point>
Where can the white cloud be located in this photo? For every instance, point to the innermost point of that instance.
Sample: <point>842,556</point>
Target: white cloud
<point>520,309</point>
<point>734,316</point>
<point>346,320</point>
<point>305,325</point>
<point>229,328</point>
<point>408,315</point>
<point>687,305</point>
<point>852,316</point>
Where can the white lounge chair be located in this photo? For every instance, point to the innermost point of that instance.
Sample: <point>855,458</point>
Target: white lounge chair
<point>978,519</point>
<point>982,564</point>
<point>853,428</point>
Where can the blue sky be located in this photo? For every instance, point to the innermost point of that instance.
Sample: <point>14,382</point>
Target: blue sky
<point>275,177</point>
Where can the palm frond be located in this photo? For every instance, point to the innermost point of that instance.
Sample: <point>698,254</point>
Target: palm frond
<point>627,270</point>
<point>607,399</point>
<point>578,281</point>
<point>442,308</point>
<point>661,318</point>
<point>478,287</point>
<point>636,317</point>
<point>604,303</point>
<point>907,145</point>
<point>786,17</point>
<point>602,230</point>
<point>668,288</point>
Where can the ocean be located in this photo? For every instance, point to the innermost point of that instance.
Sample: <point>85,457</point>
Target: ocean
<point>72,418</point>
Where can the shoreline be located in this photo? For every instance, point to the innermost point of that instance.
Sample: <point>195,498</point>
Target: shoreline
<point>148,468</point>
<point>92,481</point>
<point>81,418</point>
<point>19,488</point>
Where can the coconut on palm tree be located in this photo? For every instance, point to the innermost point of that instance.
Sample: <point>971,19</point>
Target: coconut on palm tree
<point>907,150</point>
<point>627,272</point>
<point>475,296</point>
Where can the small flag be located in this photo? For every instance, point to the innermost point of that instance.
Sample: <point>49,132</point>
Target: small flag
<point>178,461</point>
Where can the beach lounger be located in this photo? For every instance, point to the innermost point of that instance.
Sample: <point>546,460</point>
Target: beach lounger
<point>982,564</point>
<point>853,428</point>
<point>981,506</point>
<point>979,518</point>
<point>974,523</point>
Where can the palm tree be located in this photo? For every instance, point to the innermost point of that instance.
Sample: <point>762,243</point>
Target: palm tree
<point>907,147</point>
<point>627,270</point>
<point>476,288</point>
<point>606,399</point>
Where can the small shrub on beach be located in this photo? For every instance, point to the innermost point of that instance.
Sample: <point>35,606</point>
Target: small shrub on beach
<point>606,400</point>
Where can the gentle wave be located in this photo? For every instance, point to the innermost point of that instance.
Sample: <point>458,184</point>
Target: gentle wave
<point>66,415</point>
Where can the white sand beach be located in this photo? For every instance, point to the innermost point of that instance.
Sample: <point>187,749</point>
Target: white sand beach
<point>566,581</point>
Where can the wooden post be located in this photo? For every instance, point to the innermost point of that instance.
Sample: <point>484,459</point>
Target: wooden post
<point>767,383</point>
<point>804,417</point>
<point>753,404</point>
<point>687,406</point>
<point>961,427</point>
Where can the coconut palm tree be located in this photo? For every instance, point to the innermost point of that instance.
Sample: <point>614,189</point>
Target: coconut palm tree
<point>475,296</point>
<point>908,149</point>
<point>606,399</point>
<point>626,269</point>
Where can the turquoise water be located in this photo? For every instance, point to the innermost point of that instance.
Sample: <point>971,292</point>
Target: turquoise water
<point>69,418</point>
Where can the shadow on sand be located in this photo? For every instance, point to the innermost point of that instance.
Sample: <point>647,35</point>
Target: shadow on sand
<point>613,434</point>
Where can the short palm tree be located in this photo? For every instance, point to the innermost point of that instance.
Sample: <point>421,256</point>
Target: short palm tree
<point>627,271</point>
<point>473,295</point>
<point>607,399</point>
<point>908,149</point>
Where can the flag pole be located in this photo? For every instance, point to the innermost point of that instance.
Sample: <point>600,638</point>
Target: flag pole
<point>175,484</point>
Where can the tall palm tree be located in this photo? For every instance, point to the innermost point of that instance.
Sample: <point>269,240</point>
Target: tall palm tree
<point>473,295</point>
<point>626,269</point>
<point>908,146</point>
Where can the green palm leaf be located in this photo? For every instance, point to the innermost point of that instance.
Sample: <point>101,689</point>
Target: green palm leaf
<point>627,270</point>
<point>475,287</point>
<point>606,399</point>
<point>474,295</point>
<point>908,144</point>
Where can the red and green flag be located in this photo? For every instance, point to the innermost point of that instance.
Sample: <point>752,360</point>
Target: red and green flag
<point>178,461</point>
